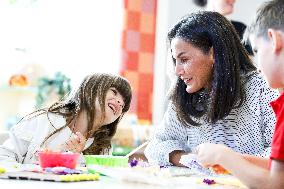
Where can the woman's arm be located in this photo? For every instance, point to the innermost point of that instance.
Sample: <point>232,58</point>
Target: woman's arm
<point>175,157</point>
<point>169,136</point>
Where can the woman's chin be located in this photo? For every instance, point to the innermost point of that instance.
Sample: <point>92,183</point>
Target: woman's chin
<point>190,89</point>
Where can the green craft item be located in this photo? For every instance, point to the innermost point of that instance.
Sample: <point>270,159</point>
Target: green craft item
<point>106,160</point>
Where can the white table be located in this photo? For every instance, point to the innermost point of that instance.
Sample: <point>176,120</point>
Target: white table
<point>104,182</point>
<point>118,178</point>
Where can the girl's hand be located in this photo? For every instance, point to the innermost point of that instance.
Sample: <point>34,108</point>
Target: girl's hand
<point>211,154</point>
<point>75,144</point>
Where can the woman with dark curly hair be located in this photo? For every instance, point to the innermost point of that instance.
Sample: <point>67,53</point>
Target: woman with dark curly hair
<point>84,122</point>
<point>225,7</point>
<point>218,96</point>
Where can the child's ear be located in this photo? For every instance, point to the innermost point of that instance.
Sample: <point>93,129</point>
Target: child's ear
<point>276,39</point>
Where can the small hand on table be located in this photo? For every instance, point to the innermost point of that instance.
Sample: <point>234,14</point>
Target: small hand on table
<point>75,144</point>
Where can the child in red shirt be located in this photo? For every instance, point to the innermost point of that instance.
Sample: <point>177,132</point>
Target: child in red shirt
<point>277,151</point>
<point>267,37</point>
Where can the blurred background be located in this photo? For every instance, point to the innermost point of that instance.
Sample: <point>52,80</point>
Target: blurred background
<point>48,46</point>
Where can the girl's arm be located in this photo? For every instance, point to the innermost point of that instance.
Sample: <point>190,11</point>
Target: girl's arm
<point>20,146</point>
<point>15,148</point>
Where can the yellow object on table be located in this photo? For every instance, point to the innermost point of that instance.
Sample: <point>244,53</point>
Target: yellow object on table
<point>79,177</point>
<point>226,181</point>
<point>2,170</point>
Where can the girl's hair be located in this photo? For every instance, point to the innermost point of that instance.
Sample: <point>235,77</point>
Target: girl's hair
<point>201,3</point>
<point>206,30</point>
<point>83,99</point>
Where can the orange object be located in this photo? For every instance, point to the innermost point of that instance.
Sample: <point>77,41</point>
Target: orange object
<point>219,169</point>
<point>18,80</point>
<point>58,159</point>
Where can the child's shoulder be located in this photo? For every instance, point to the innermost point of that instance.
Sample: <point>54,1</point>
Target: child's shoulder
<point>32,121</point>
<point>33,125</point>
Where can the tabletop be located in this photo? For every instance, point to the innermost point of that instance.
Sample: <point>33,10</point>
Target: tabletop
<point>104,182</point>
<point>118,178</point>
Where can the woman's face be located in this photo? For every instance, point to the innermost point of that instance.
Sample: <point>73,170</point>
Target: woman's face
<point>224,7</point>
<point>192,65</point>
<point>114,104</point>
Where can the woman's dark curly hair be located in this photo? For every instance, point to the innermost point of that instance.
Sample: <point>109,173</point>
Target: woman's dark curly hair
<point>206,30</point>
<point>83,99</point>
<point>201,3</point>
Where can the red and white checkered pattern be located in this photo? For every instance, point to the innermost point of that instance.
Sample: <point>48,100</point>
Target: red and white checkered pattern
<point>138,45</point>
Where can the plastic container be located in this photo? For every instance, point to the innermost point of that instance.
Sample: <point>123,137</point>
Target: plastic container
<point>58,159</point>
<point>106,160</point>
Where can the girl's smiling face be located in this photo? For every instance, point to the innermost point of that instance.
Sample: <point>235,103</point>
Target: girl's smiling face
<point>114,104</point>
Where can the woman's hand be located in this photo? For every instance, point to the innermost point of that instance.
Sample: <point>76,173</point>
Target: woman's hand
<point>175,156</point>
<point>75,144</point>
<point>209,154</point>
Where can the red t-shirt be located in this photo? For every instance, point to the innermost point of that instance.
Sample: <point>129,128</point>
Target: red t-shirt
<point>277,151</point>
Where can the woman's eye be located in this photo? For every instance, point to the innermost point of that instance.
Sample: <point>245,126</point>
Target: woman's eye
<point>183,61</point>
